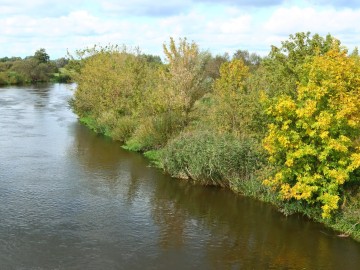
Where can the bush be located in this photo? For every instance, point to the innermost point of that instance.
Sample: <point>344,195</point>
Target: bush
<point>211,158</point>
<point>3,78</point>
<point>123,128</point>
<point>313,137</point>
<point>155,131</point>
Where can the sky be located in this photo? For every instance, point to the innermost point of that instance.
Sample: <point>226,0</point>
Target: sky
<point>218,26</point>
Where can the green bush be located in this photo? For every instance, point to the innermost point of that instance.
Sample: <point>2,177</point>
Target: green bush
<point>155,157</point>
<point>94,125</point>
<point>123,128</point>
<point>3,78</point>
<point>211,158</point>
<point>155,131</point>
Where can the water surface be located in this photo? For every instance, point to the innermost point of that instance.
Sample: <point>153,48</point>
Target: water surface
<point>71,199</point>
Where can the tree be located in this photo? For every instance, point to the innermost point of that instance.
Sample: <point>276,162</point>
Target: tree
<point>283,68</point>
<point>313,137</point>
<point>25,68</point>
<point>61,62</point>
<point>154,59</point>
<point>42,56</point>
<point>177,86</point>
<point>112,83</point>
<point>185,80</point>
<point>251,60</point>
<point>229,97</point>
<point>212,67</point>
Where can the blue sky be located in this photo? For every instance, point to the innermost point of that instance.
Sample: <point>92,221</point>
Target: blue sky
<point>216,25</point>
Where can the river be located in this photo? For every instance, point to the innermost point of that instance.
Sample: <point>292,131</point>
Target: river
<point>72,199</point>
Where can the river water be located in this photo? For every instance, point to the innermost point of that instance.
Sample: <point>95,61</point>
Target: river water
<point>71,199</point>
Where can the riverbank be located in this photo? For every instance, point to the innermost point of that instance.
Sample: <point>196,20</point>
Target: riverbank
<point>346,222</point>
<point>289,136</point>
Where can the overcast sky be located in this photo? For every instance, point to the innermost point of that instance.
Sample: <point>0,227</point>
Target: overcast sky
<point>216,25</point>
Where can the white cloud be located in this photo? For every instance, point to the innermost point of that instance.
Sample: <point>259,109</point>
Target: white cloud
<point>284,20</point>
<point>145,7</point>
<point>219,28</point>
<point>40,8</point>
<point>255,3</point>
<point>76,23</point>
<point>336,3</point>
<point>339,23</point>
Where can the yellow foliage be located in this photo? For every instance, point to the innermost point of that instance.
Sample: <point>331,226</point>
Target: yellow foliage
<point>284,105</point>
<point>289,162</point>
<point>314,134</point>
<point>330,203</point>
<point>355,161</point>
<point>307,110</point>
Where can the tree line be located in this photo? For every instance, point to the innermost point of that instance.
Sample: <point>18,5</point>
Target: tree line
<point>284,128</point>
<point>33,69</point>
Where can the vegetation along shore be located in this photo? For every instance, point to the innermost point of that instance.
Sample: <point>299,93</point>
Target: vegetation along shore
<point>284,128</point>
<point>37,68</point>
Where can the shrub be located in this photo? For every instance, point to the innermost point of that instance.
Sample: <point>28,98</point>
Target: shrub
<point>313,137</point>
<point>235,108</point>
<point>211,158</point>
<point>3,78</point>
<point>154,132</point>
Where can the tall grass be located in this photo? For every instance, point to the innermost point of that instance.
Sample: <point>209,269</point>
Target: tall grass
<point>213,159</point>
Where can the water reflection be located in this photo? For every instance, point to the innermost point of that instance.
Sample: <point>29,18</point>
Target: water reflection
<point>227,231</point>
<point>107,162</point>
<point>242,233</point>
<point>94,153</point>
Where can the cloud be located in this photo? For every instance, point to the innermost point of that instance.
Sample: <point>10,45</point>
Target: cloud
<point>40,8</point>
<point>174,7</point>
<point>76,23</point>
<point>285,20</point>
<point>336,3</point>
<point>242,3</point>
<point>344,24</point>
<point>218,27</point>
<point>145,7</point>
<point>76,30</point>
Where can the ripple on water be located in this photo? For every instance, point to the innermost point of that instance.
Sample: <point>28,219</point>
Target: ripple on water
<point>71,199</point>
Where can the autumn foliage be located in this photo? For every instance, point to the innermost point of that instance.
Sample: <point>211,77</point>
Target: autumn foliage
<point>313,137</point>
<point>285,126</point>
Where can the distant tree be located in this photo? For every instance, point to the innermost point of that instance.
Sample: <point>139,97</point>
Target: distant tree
<point>212,67</point>
<point>25,68</point>
<point>155,59</point>
<point>42,56</point>
<point>4,66</point>
<point>61,62</point>
<point>355,52</point>
<point>4,59</point>
<point>33,70</point>
<point>252,60</point>
<point>14,58</point>
<point>9,59</point>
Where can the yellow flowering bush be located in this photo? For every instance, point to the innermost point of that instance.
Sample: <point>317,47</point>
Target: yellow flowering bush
<point>313,136</point>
